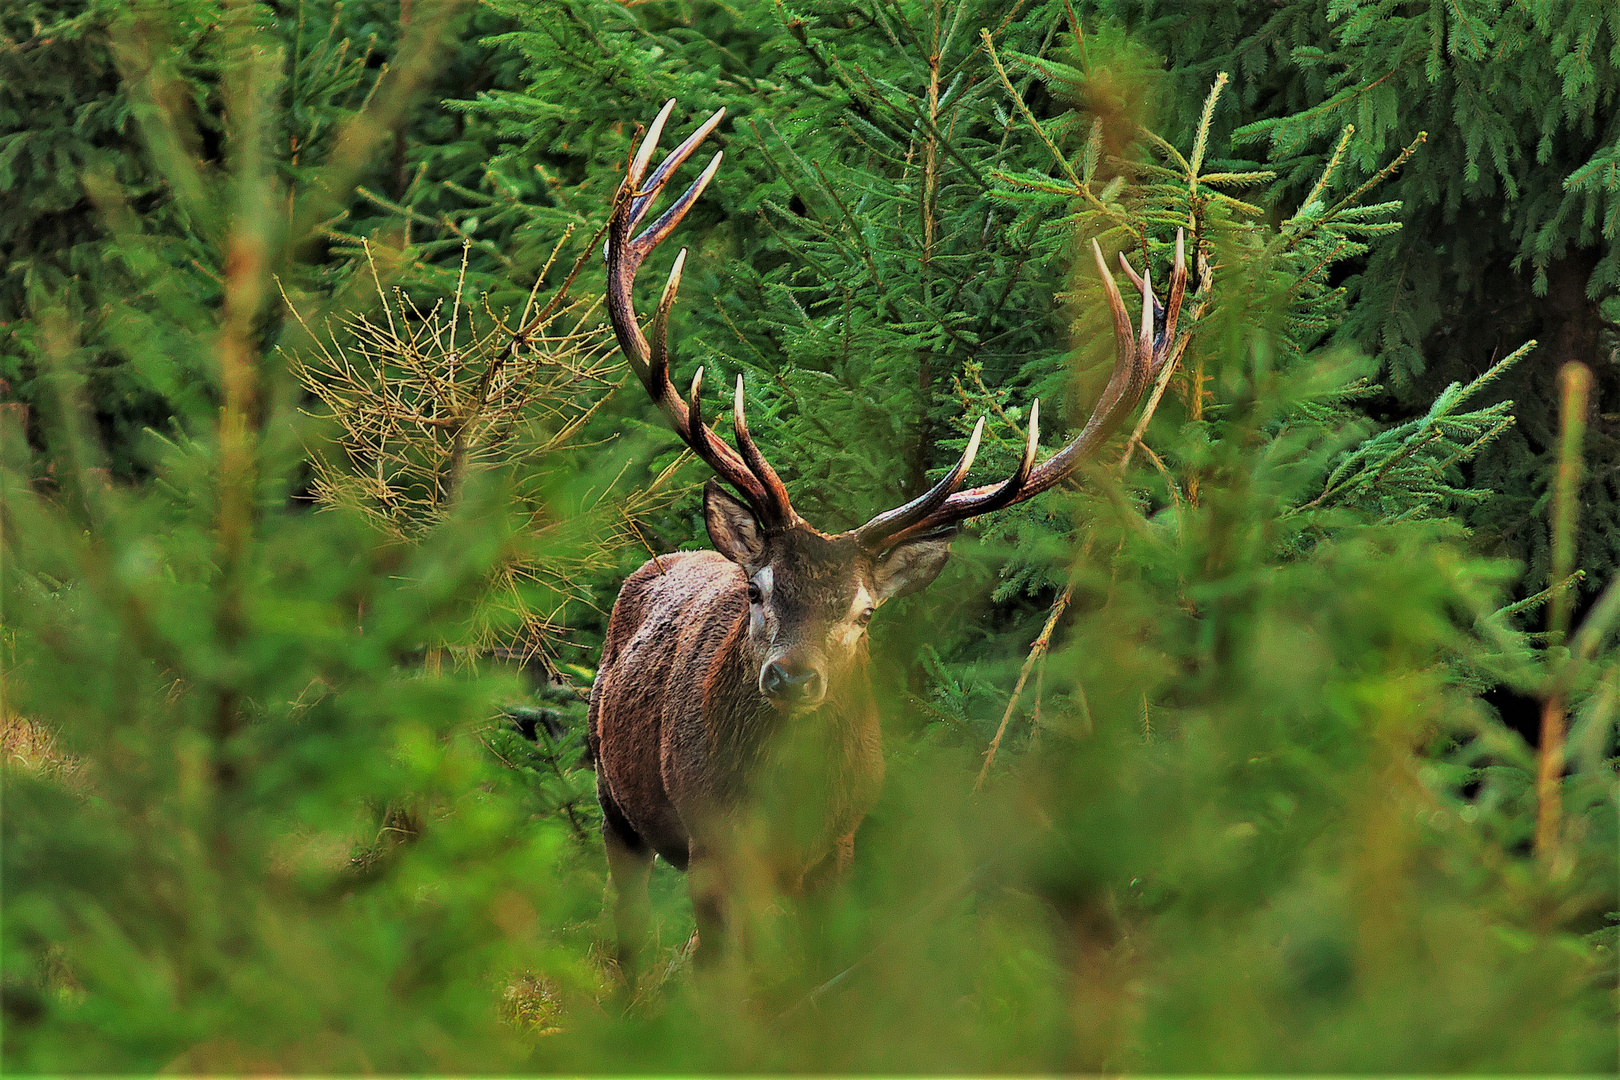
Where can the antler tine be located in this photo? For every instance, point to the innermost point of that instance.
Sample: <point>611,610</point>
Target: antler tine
<point>1178,292</point>
<point>1124,340</point>
<point>775,490</point>
<point>647,192</point>
<point>654,233</point>
<point>1011,490</point>
<point>1136,356</point>
<point>1015,483</point>
<point>695,398</point>
<point>875,534</point>
<point>641,197</point>
<point>1142,370</point>
<point>1133,354</point>
<point>1130,271</point>
<point>658,366</point>
<point>1143,286</point>
<point>649,143</point>
<point>702,441</point>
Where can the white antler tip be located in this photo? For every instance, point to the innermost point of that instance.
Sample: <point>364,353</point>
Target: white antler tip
<point>673,282</point>
<point>638,167</point>
<point>972,450</point>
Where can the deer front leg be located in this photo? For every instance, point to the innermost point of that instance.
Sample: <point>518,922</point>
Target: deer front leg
<point>706,878</point>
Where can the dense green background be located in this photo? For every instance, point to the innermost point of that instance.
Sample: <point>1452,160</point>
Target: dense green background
<point>1268,803</point>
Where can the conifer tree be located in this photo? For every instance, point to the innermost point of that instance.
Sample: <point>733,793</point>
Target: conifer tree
<point>1510,210</point>
<point>1194,768</point>
<point>112,125</point>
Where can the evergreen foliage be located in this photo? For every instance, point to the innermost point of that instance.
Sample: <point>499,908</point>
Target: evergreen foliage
<point>1511,210</point>
<point>113,138</point>
<point>317,399</point>
<point>230,674</point>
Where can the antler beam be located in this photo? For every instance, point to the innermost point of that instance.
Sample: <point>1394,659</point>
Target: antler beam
<point>748,472</point>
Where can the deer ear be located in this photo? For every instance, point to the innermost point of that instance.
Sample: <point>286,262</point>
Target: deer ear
<point>733,529</point>
<point>910,566</point>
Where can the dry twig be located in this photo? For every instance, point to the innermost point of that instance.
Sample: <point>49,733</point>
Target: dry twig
<point>424,398</point>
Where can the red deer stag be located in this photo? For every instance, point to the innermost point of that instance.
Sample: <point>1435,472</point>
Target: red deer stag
<point>712,656</point>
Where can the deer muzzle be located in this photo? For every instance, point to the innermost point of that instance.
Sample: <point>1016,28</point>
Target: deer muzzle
<point>788,684</point>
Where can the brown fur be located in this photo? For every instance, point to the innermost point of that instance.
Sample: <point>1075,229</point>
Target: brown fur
<point>694,762</point>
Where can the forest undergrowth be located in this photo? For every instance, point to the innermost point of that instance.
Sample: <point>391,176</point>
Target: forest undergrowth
<point>320,474</point>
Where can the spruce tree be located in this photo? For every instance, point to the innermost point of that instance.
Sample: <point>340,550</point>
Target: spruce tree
<point>1191,764</point>
<point>1510,209</point>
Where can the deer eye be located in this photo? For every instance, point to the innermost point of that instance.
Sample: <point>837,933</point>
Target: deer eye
<point>864,617</point>
<point>754,594</point>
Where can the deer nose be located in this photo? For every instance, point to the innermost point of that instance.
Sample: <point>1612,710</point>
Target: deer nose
<point>785,684</point>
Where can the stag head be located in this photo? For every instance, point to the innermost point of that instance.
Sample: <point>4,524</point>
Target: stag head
<point>811,595</point>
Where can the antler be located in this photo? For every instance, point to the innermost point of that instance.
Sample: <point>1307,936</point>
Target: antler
<point>1139,359</point>
<point>748,471</point>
